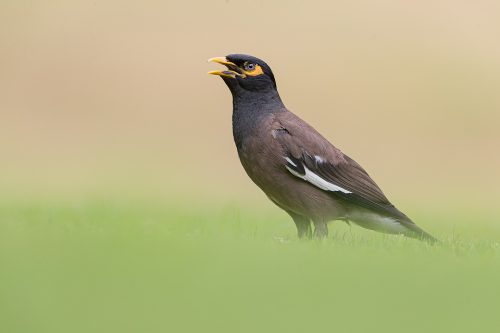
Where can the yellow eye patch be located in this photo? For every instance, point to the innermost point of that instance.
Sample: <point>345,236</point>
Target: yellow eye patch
<point>257,71</point>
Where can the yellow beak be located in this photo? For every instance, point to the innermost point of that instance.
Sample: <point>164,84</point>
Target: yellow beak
<point>232,72</point>
<point>222,61</point>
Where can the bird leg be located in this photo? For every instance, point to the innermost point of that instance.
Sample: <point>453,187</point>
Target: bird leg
<point>304,229</point>
<point>303,225</point>
<point>320,229</point>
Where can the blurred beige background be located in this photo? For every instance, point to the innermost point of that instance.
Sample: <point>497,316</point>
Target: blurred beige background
<point>113,96</point>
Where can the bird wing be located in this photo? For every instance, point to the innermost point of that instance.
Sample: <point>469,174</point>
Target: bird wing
<point>308,155</point>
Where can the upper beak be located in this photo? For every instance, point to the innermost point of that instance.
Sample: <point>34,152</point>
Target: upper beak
<point>233,71</point>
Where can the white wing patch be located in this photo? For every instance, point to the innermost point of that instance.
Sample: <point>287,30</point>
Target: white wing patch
<point>290,161</point>
<point>318,159</point>
<point>316,180</point>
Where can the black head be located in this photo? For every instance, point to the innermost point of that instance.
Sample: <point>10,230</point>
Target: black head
<point>246,72</point>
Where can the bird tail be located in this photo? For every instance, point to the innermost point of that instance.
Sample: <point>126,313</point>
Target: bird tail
<point>418,233</point>
<point>392,225</point>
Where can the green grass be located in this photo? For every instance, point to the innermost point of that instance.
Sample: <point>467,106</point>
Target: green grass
<point>131,266</point>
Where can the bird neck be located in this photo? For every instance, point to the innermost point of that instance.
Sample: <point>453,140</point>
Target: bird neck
<point>250,108</point>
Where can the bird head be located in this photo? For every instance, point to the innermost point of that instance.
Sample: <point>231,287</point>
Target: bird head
<point>245,72</point>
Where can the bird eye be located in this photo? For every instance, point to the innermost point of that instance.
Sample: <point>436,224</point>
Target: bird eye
<point>249,67</point>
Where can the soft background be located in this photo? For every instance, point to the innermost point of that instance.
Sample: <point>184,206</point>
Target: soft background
<point>107,114</point>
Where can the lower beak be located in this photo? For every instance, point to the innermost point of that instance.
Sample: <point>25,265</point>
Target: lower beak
<point>232,72</point>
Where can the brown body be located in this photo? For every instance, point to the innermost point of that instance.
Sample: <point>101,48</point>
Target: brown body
<point>287,191</point>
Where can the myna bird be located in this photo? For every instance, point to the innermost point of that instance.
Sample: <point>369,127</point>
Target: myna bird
<point>295,166</point>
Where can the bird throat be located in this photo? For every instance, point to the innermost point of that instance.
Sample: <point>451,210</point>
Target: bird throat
<point>250,109</point>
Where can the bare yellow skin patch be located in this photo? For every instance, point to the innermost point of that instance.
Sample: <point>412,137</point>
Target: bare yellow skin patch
<point>257,71</point>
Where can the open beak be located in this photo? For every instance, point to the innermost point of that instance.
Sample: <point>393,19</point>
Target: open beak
<point>232,72</point>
